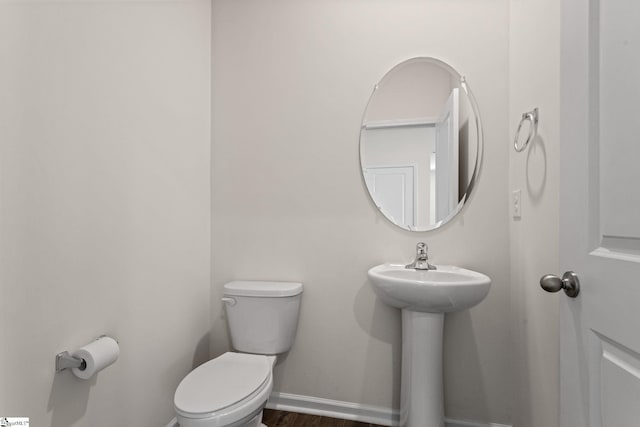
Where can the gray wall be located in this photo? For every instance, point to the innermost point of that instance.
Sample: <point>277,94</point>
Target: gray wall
<point>290,83</point>
<point>534,73</point>
<point>104,204</point>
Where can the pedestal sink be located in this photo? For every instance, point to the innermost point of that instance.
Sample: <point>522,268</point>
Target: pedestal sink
<point>424,296</point>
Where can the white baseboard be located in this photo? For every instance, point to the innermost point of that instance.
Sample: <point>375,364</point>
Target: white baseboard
<point>333,409</point>
<point>349,411</point>
<point>457,423</point>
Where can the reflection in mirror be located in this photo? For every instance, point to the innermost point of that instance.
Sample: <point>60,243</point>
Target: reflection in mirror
<point>420,144</point>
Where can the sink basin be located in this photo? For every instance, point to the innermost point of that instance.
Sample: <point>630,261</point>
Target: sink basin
<point>444,290</point>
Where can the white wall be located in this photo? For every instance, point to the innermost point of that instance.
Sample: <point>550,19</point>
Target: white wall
<point>534,72</point>
<point>291,80</point>
<point>104,215</point>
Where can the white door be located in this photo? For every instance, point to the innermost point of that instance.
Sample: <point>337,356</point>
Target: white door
<point>392,190</point>
<point>446,157</point>
<point>600,213</point>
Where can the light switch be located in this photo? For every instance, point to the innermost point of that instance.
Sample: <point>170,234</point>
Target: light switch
<point>516,204</point>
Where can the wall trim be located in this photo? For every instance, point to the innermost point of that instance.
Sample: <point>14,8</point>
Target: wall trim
<point>458,423</point>
<point>350,411</point>
<point>333,408</point>
<point>395,123</point>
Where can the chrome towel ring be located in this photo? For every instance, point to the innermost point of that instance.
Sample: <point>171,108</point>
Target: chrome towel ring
<point>532,117</point>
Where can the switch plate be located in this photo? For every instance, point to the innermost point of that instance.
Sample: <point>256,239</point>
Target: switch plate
<point>516,204</point>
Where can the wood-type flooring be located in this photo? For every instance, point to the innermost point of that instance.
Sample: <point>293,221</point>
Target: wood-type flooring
<point>273,418</point>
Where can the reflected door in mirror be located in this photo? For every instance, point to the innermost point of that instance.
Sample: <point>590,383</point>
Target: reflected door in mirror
<point>393,190</point>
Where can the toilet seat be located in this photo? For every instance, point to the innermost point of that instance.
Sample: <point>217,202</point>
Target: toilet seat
<point>224,390</point>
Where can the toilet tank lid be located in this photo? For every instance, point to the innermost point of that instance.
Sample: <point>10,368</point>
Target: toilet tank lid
<point>256,288</point>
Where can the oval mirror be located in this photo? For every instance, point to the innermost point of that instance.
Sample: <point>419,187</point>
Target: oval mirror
<point>420,144</point>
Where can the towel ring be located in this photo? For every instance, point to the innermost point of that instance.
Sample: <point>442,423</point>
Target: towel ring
<point>532,117</point>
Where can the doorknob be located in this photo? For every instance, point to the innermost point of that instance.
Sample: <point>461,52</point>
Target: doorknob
<point>569,282</point>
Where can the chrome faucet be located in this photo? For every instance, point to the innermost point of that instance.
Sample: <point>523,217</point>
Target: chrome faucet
<point>422,259</point>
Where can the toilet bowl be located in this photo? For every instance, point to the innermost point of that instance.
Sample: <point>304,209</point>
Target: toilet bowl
<point>232,389</point>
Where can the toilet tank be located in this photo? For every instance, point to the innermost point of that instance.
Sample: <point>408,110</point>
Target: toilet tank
<point>262,316</point>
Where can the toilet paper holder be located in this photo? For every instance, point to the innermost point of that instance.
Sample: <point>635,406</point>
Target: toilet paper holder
<point>65,360</point>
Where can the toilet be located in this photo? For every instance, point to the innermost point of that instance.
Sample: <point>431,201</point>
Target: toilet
<point>232,389</point>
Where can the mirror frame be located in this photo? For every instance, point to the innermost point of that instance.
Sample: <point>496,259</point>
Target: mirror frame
<point>479,134</point>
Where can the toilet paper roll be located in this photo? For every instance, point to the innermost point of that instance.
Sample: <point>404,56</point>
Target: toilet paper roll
<point>98,355</point>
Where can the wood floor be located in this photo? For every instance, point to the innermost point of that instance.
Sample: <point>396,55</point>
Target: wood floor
<point>274,418</point>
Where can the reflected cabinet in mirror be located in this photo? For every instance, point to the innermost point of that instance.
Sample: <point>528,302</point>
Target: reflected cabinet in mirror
<point>420,144</point>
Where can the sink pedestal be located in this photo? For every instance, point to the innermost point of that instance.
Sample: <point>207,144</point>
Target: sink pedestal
<point>421,389</point>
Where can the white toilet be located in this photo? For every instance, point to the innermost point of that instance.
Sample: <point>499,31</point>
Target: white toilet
<point>232,389</point>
